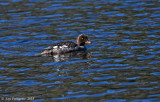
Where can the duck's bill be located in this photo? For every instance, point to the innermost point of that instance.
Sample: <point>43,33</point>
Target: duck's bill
<point>88,42</point>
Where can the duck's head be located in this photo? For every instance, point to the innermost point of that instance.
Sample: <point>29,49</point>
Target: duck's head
<point>82,39</point>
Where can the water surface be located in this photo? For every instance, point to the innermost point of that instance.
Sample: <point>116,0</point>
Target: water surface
<point>121,64</point>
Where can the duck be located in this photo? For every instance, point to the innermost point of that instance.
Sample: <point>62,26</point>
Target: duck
<point>67,46</point>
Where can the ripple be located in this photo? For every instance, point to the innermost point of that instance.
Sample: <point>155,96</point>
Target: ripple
<point>4,82</point>
<point>25,69</point>
<point>129,83</point>
<point>137,47</point>
<point>51,84</point>
<point>143,14</point>
<point>68,97</point>
<point>114,47</point>
<point>9,52</point>
<point>16,0</point>
<point>80,83</point>
<point>132,78</point>
<point>155,95</point>
<point>146,57</point>
<point>54,15</point>
<point>4,3</point>
<point>102,78</point>
<point>101,83</point>
<point>37,0</point>
<point>144,100</point>
<point>154,62</point>
<point>139,8</point>
<point>141,67</point>
<point>115,100</point>
<point>85,95</point>
<point>156,73</point>
<point>28,83</point>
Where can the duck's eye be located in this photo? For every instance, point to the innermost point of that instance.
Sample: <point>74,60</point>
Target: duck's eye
<point>82,38</point>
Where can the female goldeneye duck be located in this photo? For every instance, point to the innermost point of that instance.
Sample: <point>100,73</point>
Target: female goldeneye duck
<point>68,46</point>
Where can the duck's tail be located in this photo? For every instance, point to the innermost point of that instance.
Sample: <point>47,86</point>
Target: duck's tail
<point>38,54</point>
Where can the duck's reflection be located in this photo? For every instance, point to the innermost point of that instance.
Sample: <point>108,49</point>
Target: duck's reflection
<point>68,56</point>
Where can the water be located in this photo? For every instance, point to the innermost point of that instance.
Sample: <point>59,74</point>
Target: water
<point>121,64</point>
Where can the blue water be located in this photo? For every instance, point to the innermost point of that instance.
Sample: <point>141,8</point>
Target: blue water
<point>121,64</point>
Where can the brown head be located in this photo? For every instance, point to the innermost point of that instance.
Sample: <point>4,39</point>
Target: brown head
<point>82,39</point>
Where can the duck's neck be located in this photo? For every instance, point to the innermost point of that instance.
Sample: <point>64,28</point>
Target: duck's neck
<point>82,44</point>
<point>79,43</point>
